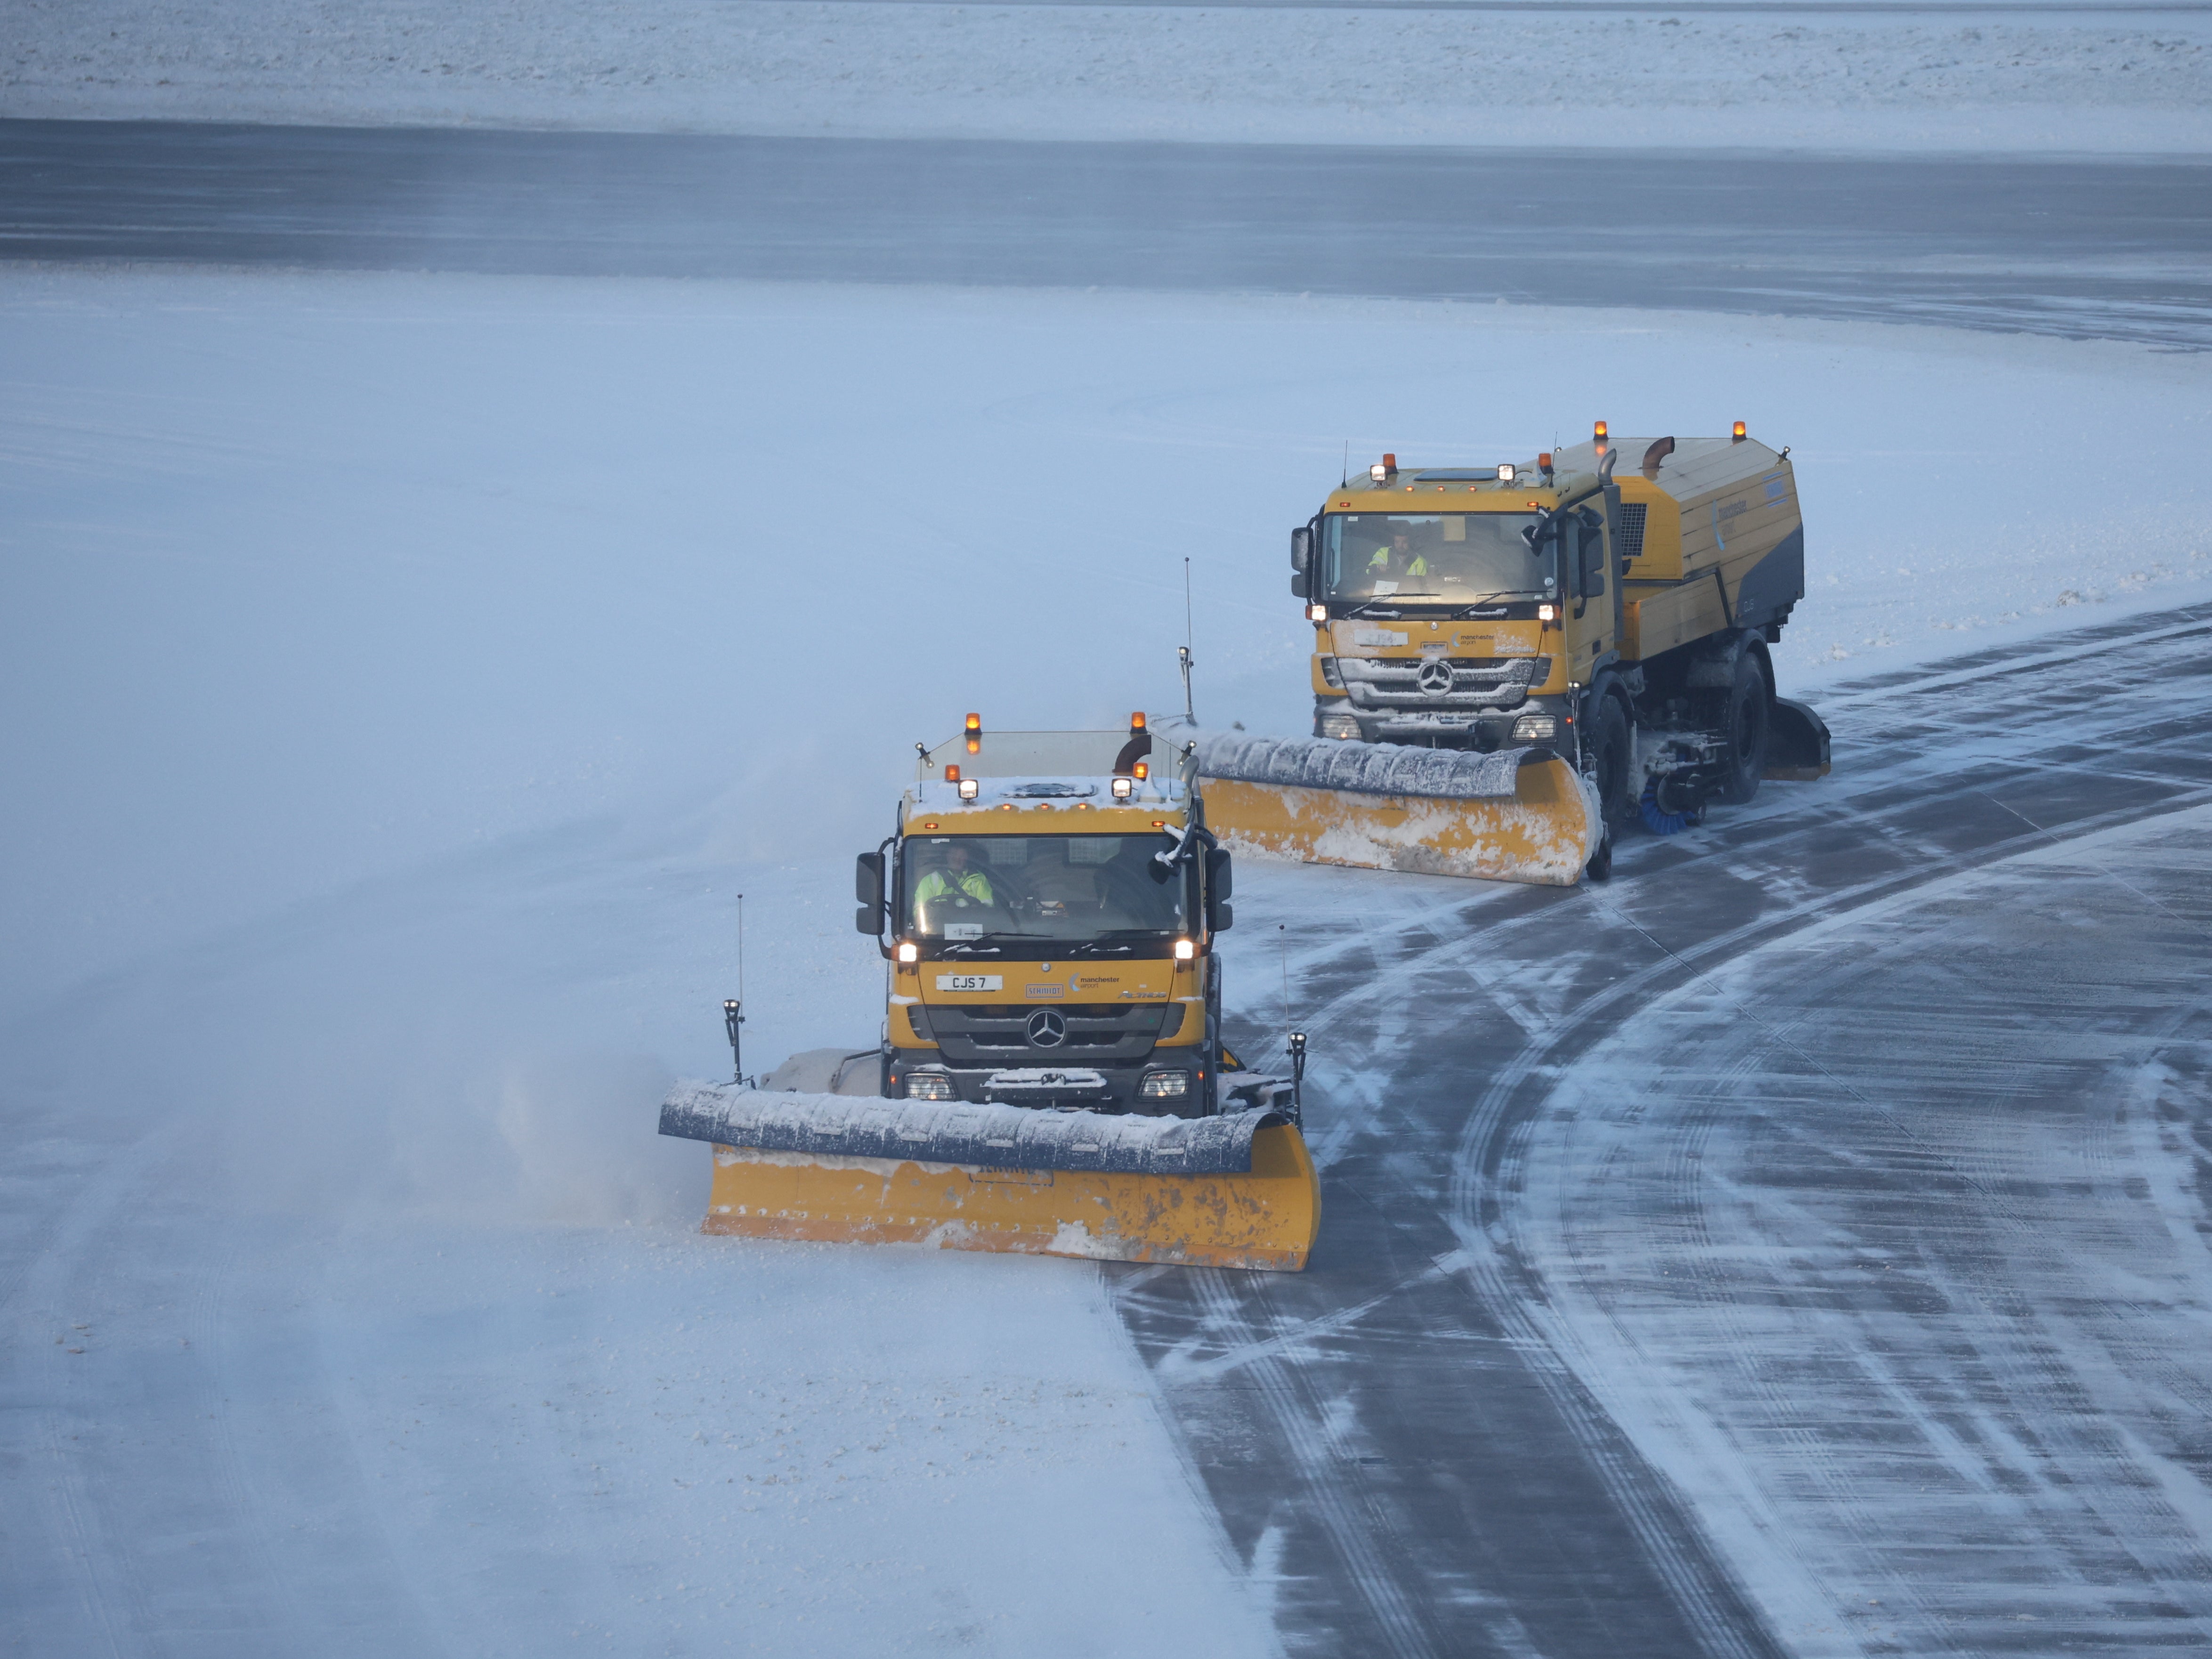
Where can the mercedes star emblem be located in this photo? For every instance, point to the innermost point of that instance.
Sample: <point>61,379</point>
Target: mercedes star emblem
<point>1435,678</point>
<point>1046,1027</point>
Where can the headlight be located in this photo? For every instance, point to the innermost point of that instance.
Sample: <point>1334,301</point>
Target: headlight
<point>1535,728</point>
<point>969,788</point>
<point>1124,788</point>
<point>1184,949</point>
<point>908,950</point>
<point>1339,726</point>
<point>1164,1086</point>
<point>928,1085</point>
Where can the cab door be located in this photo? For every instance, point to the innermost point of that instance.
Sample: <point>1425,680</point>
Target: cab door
<point>1586,549</point>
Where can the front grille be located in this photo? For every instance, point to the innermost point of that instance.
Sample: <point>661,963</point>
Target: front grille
<point>997,1034</point>
<point>1393,683</point>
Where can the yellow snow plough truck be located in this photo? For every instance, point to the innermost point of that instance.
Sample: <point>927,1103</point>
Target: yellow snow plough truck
<point>1052,1078</point>
<point>1512,663</point>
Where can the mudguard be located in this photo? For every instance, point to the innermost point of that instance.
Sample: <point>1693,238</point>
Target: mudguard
<point>1796,743</point>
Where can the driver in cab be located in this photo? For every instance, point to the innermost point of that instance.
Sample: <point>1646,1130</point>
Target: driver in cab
<point>955,880</point>
<point>1399,559</point>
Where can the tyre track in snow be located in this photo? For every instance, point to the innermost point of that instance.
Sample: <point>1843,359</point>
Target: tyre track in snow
<point>1527,1493</point>
<point>2035,1406</point>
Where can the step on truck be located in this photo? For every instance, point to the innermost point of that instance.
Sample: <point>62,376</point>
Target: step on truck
<point>1052,1077</point>
<point>1513,663</point>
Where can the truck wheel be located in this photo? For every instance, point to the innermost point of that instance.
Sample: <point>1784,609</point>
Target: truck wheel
<point>1746,722</point>
<point>1611,757</point>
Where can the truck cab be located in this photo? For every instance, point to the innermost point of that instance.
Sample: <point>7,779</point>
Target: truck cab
<point>1049,906</point>
<point>1458,607</point>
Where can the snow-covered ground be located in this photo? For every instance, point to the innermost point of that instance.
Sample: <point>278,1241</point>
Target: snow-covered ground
<point>309,579</point>
<point>407,674</point>
<point>2076,80</point>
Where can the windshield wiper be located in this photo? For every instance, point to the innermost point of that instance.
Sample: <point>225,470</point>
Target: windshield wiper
<point>1364,607</point>
<point>1473,605</point>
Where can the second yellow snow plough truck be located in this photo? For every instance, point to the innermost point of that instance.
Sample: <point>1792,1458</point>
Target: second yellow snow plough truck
<point>1511,663</point>
<point>1052,1078</point>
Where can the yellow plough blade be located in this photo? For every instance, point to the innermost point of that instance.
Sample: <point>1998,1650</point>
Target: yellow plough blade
<point>1230,1191</point>
<point>1542,826</point>
<point>1263,1219</point>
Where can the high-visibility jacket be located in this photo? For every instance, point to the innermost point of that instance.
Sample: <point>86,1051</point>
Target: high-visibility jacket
<point>943,884</point>
<point>1419,567</point>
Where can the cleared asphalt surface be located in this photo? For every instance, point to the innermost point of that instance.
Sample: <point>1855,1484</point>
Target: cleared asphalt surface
<point>1797,1245</point>
<point>2111,249</point>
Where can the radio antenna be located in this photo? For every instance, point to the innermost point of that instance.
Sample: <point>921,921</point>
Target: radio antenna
<point>734,1010</point>
<point>1189,718</point>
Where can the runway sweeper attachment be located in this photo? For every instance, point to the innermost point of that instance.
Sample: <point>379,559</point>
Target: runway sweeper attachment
<point>1233,1191</point>
<point>1052,1077</point>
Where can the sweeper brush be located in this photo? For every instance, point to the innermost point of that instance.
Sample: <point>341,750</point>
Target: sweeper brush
<point>1512,815</point>
<point>1232,1191</point>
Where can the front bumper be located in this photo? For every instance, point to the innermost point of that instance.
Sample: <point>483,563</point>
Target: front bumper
<point>1537,721</point>
<point>1101,1088</point>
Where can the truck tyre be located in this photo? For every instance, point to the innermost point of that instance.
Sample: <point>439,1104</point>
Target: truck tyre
<point>1746,722</point>
<point>1612,754</point>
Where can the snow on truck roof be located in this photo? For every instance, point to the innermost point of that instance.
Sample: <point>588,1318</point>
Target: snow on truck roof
<point>1006,755</point>
<point>1030,774</point>
<point>1695,466</point>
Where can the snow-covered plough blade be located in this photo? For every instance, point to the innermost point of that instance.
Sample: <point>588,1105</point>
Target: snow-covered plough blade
<point>1235,1191</point>
<point>1511,815</point>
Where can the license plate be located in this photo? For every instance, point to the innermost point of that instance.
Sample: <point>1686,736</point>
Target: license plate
<point>969,981</point>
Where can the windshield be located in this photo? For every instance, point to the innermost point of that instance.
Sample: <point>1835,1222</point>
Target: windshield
<point>978,892</point>
<point>1429,558</point>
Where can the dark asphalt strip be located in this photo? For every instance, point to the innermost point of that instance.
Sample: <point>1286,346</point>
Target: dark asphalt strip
<point>1405,1386</point>
<point>2077,248</point>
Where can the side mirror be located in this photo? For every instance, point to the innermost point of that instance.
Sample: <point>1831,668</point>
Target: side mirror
<point>1298,584</point>
<point>868,888</point>
<point>1300,547</point>
<point>1220,882</point>
<point>1593,559</point>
